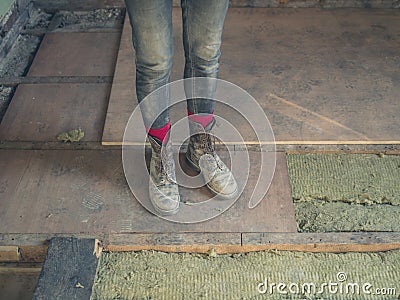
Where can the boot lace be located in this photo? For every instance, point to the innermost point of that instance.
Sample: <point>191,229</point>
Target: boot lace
<point>167,164</point>
<point>208,145</point>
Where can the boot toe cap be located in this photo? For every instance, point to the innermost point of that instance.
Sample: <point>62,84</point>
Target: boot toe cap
<point>165,200</point>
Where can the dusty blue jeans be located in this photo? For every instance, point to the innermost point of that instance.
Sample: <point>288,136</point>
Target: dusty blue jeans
<point>152,36</point>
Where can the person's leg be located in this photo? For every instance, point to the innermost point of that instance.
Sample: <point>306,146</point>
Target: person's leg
<point>202,29</point>
<point>151,22</point>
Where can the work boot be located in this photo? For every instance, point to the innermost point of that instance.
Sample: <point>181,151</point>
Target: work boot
<point>163,189</point>
<point>202,157</point>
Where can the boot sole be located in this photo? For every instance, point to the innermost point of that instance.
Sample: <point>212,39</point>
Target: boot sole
<point>165,212</point>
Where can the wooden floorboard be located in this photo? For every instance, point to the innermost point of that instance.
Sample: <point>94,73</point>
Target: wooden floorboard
<point>15,81</point>
<point>33,247</point>
<point>40,112</point>
<point>258,241</point>
<point>123,89</point>
<point>18,282</point>
<point>69,270</point>
<point>65,191</point>
<point>9,253</point>
<point>319,78</point>
<point>76,54</point>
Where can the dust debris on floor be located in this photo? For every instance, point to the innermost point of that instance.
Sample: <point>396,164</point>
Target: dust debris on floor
<point>38,19</point>
<point>17,61</point>
<point>5,97</point>
<point>345,192</point>
<point>159,275</point>
<point>74,135</point>
<point>84,20</point>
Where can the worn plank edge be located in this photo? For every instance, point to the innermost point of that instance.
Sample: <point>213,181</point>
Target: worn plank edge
<point>92,4</point>
<point>352,142</point>
<point>387,147</point>
<point>9,253</point>
<point>361,149</point>
<point>26,270</point>
<point>14,81</point>
<point>33,247</point>
<point>230,249</point>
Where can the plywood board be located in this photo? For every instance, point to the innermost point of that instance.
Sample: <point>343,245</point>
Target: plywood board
<point>319,77</point>
<point>76,54</point>
<point>39,112</point>
<point>85,191</point>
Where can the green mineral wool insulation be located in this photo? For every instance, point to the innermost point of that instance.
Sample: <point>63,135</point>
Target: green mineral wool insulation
<point>345,192</point>
<point>355,178</point>
<point>158,275</point>
<point>322,216</point>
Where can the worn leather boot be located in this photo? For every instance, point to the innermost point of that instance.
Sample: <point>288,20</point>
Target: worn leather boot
<point>202,157</point>
<point>163,189</point>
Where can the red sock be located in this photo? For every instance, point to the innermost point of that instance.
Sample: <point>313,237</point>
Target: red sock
<point>203,119</point>
<point>160,133</point>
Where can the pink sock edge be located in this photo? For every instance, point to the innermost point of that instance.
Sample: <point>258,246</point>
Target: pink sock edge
<point>160,133</point>
<point>204,120</point>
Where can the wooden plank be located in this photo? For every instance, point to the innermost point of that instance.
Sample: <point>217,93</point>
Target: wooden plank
<point>231,249</point>
<point>76,54</point>
<point>283,143</point>
<point>148,240</point>
<point>85,191</point>
<point>72,28</point>
<point>31,254</point>
<point>305,242</point>
<point>18,282</point>
<point>123,77</point>
<point>9,253</point>
<point>39,112</point>
<point>93,4</point>
<point>33,247</point>
<point>309,89</point>
<point>314,3</point>
<point>77,5</point>
<point>359,4</point>
<point>324,242</point>
<point>344,148</point>
<point>19,269</point>
<point>13,166</point>
<point>221,242</point>
<point>14,81</point>
<point>300,68</point>
<point>69,270</point>
<point>55,145</point>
